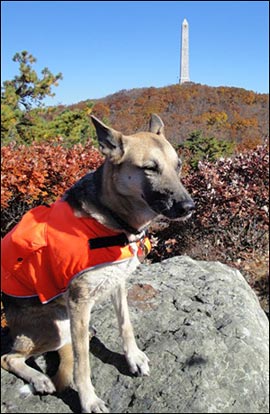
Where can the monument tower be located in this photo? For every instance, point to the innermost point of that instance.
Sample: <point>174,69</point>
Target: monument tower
<point>184,68</point>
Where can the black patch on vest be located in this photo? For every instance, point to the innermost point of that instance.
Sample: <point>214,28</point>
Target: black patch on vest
<point>108,241</point>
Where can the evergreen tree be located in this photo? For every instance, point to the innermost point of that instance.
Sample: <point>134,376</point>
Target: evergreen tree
<point>197,148</point>
<point>20,95</point>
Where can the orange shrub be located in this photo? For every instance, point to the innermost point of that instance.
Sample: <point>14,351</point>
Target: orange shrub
<point>38,174</point>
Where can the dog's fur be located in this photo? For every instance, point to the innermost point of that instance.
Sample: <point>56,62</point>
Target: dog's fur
<point>138,181</point>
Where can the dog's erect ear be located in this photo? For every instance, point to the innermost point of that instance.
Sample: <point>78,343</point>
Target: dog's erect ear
<point>156,125</point>
<point>110,141</point>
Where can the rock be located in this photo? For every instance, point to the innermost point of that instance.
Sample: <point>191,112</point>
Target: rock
<point>206,336</point>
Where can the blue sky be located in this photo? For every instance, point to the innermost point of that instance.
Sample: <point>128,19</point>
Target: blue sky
<point>102,47</point>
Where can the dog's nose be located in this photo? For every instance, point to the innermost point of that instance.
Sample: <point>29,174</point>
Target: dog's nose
<point>188,206</point>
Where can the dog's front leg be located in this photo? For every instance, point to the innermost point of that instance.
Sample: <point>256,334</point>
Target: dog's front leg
<point>79,305</point>
<point>137,360</point>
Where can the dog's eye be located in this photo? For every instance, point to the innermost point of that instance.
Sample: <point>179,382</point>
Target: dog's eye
<point>151,167</point>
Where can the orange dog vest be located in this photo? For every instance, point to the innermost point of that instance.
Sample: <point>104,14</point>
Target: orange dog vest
<point>50,246</point>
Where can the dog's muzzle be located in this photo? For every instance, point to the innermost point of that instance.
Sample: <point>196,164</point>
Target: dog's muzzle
<point>167,206</point>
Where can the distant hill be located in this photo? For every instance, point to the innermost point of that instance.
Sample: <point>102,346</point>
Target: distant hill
<point>223,112</point>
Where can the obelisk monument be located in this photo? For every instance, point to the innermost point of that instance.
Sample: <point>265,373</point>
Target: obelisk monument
<point>184,68</point>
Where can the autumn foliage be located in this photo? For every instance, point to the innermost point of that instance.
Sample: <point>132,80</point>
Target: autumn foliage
<point>225,113</point>
<point>37,174</point>
<point>231,194</point>
<point>231,197</point>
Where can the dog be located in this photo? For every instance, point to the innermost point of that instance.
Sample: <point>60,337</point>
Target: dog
<point>138,181</point>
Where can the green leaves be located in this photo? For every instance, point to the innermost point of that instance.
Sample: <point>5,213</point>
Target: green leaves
<point>200,148</point>
<point>29,88</point>
<point>25,119</point>
<point>22,95</point>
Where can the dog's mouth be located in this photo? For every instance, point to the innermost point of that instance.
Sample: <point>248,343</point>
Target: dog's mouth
<point>176,216</point>
<point>183,217</point>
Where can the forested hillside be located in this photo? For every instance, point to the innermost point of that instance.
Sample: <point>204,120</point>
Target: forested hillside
<point>223,112</point>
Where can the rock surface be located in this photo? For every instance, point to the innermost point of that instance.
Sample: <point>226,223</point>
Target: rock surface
<point>206,336</point>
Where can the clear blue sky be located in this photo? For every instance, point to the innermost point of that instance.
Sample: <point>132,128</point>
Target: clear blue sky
<point>102,47</point>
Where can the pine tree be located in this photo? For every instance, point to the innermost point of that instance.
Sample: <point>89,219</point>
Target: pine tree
<point>22,94</point>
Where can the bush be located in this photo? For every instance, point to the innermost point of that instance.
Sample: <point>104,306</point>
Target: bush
<point>231,194</point>
<point>38,174</point>
<point>231,197</point>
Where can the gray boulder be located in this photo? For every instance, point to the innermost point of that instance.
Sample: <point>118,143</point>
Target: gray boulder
<point>206,336</point>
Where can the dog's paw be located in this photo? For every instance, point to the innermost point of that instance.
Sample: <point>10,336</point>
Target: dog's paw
<point>43,385</point>
<point>95,405</point>
<point>138,362</point>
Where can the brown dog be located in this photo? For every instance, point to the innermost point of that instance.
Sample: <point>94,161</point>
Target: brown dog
<point>138,181</point>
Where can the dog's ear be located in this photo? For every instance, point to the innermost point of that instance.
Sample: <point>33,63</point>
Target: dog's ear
<point>156,125</point>
<point>110,141</point>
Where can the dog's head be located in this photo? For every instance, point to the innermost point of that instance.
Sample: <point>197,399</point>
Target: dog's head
<point>145,169</point>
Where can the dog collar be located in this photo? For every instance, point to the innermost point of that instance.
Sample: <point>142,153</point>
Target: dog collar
<point>121,240</point>
<point>108,241</point>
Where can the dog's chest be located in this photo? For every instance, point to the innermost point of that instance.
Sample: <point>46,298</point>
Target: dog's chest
<point>102,281</point>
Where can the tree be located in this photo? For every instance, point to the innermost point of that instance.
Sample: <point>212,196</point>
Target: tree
<point>22,94</point>
<point>73,126</point>
<point>200,148</point>
<point>27,88</point>
<point>25,119</point>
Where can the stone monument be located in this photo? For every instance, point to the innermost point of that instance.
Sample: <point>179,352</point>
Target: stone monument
<point>184,68</point>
